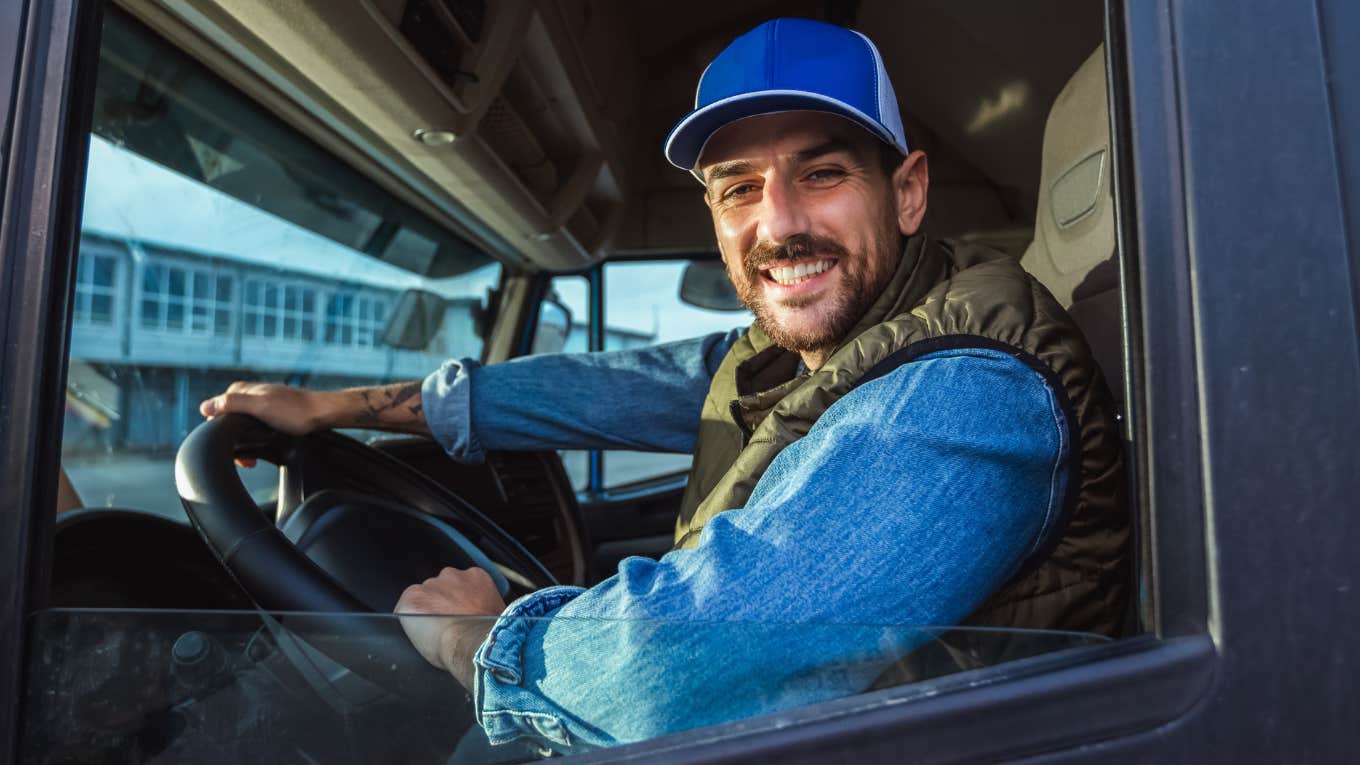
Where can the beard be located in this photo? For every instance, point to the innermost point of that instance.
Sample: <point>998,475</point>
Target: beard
<point>844,303</point>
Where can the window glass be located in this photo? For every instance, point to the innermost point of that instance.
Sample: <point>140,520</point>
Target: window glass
<point>642,306</point>
<point>219,245</point>
<point>243,686</point>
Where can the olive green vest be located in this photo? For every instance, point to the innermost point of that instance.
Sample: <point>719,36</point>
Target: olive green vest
<point>942,296</point>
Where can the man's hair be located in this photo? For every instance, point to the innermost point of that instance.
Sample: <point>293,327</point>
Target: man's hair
<point>889,158</point>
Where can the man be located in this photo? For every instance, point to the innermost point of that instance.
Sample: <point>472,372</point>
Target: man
<point>910,433</point>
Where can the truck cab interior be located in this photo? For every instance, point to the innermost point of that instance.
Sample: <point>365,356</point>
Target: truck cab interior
<point>335,194</point>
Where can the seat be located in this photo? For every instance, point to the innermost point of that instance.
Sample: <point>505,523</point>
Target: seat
<point>1073,251</point>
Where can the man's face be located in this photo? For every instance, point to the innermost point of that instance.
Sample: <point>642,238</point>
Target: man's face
<point>808,222</point>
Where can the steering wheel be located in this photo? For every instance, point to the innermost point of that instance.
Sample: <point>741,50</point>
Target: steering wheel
<point>369,527</point>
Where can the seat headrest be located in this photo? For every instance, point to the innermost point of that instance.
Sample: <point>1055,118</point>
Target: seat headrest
<point>1074,224</point>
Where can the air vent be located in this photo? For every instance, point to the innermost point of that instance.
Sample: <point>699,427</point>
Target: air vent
<point>531,498</point>
<point>519,148</point>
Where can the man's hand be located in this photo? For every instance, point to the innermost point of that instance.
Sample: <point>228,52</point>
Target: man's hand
<point>291,410</point>
<point>296,411</point>
<point>445,642</point>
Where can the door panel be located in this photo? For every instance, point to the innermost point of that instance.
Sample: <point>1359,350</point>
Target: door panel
<point>636,522</point>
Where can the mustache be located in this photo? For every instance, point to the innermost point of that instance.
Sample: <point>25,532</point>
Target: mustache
<point>794,248</point>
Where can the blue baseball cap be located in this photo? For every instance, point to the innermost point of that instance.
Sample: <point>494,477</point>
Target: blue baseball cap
<point>789,65</point>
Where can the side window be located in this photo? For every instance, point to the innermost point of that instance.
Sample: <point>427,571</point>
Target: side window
<point>642,306</point>
<point>218,245</point>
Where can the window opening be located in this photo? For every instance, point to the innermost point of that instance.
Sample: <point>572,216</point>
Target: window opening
<point>97,280</point>
<point>643,306</point>
<point>185,300</point>
<point>217,244</point>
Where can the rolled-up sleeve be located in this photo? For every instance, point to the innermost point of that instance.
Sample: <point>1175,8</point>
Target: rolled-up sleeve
<point>644,399</point>
<point>908,502</point>
<point>446,399</point>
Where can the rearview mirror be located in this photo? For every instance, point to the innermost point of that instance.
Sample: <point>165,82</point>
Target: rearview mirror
<point>705,285</point>
<point>554,326</point>
<point>414,322</point>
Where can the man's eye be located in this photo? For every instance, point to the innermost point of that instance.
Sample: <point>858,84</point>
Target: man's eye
<point>739,191</point>
<point>825,174</point>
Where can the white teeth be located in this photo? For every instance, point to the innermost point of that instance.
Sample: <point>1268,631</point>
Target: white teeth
<point>789,275</point>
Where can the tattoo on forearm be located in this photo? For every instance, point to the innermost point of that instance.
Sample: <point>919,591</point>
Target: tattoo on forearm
<point>393,407</point>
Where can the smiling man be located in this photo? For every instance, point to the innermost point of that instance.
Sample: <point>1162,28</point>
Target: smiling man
<point>808,233</point>
<point>911,433</point>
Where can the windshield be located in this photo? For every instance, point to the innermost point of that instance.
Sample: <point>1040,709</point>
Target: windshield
<point>231,687</point>
<point>218,244</point>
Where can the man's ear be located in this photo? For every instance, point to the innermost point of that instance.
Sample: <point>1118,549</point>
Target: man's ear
<point>910,182</point>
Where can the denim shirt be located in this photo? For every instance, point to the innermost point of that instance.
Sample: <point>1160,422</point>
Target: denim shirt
<point>909,501</point>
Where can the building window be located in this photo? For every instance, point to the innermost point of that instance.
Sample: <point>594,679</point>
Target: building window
<point>96,289</point>
<point>355,319</point>
<point>183,300</point>
<point>280,311</point>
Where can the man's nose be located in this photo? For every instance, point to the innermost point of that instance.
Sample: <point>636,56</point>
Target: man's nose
<point>783,213</point>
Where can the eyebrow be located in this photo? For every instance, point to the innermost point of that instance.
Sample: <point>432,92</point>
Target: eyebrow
<point>741,167</point>
<point>728,169</point>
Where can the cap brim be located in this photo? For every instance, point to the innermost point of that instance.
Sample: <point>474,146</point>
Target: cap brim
<point>687,139</point>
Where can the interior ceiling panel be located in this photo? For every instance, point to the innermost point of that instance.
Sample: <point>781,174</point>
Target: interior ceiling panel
<point>982,75</point>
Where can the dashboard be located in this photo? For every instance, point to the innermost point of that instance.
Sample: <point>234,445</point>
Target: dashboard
<point>133,559</point>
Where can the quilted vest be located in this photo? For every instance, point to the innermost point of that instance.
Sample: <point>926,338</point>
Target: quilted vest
<point>942,296</point>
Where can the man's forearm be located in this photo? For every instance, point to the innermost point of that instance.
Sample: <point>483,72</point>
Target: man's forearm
<point>395,407</point>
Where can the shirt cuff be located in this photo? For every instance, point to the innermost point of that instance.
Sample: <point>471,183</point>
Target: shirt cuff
<point>446,399</point>
<point>505,708</point>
